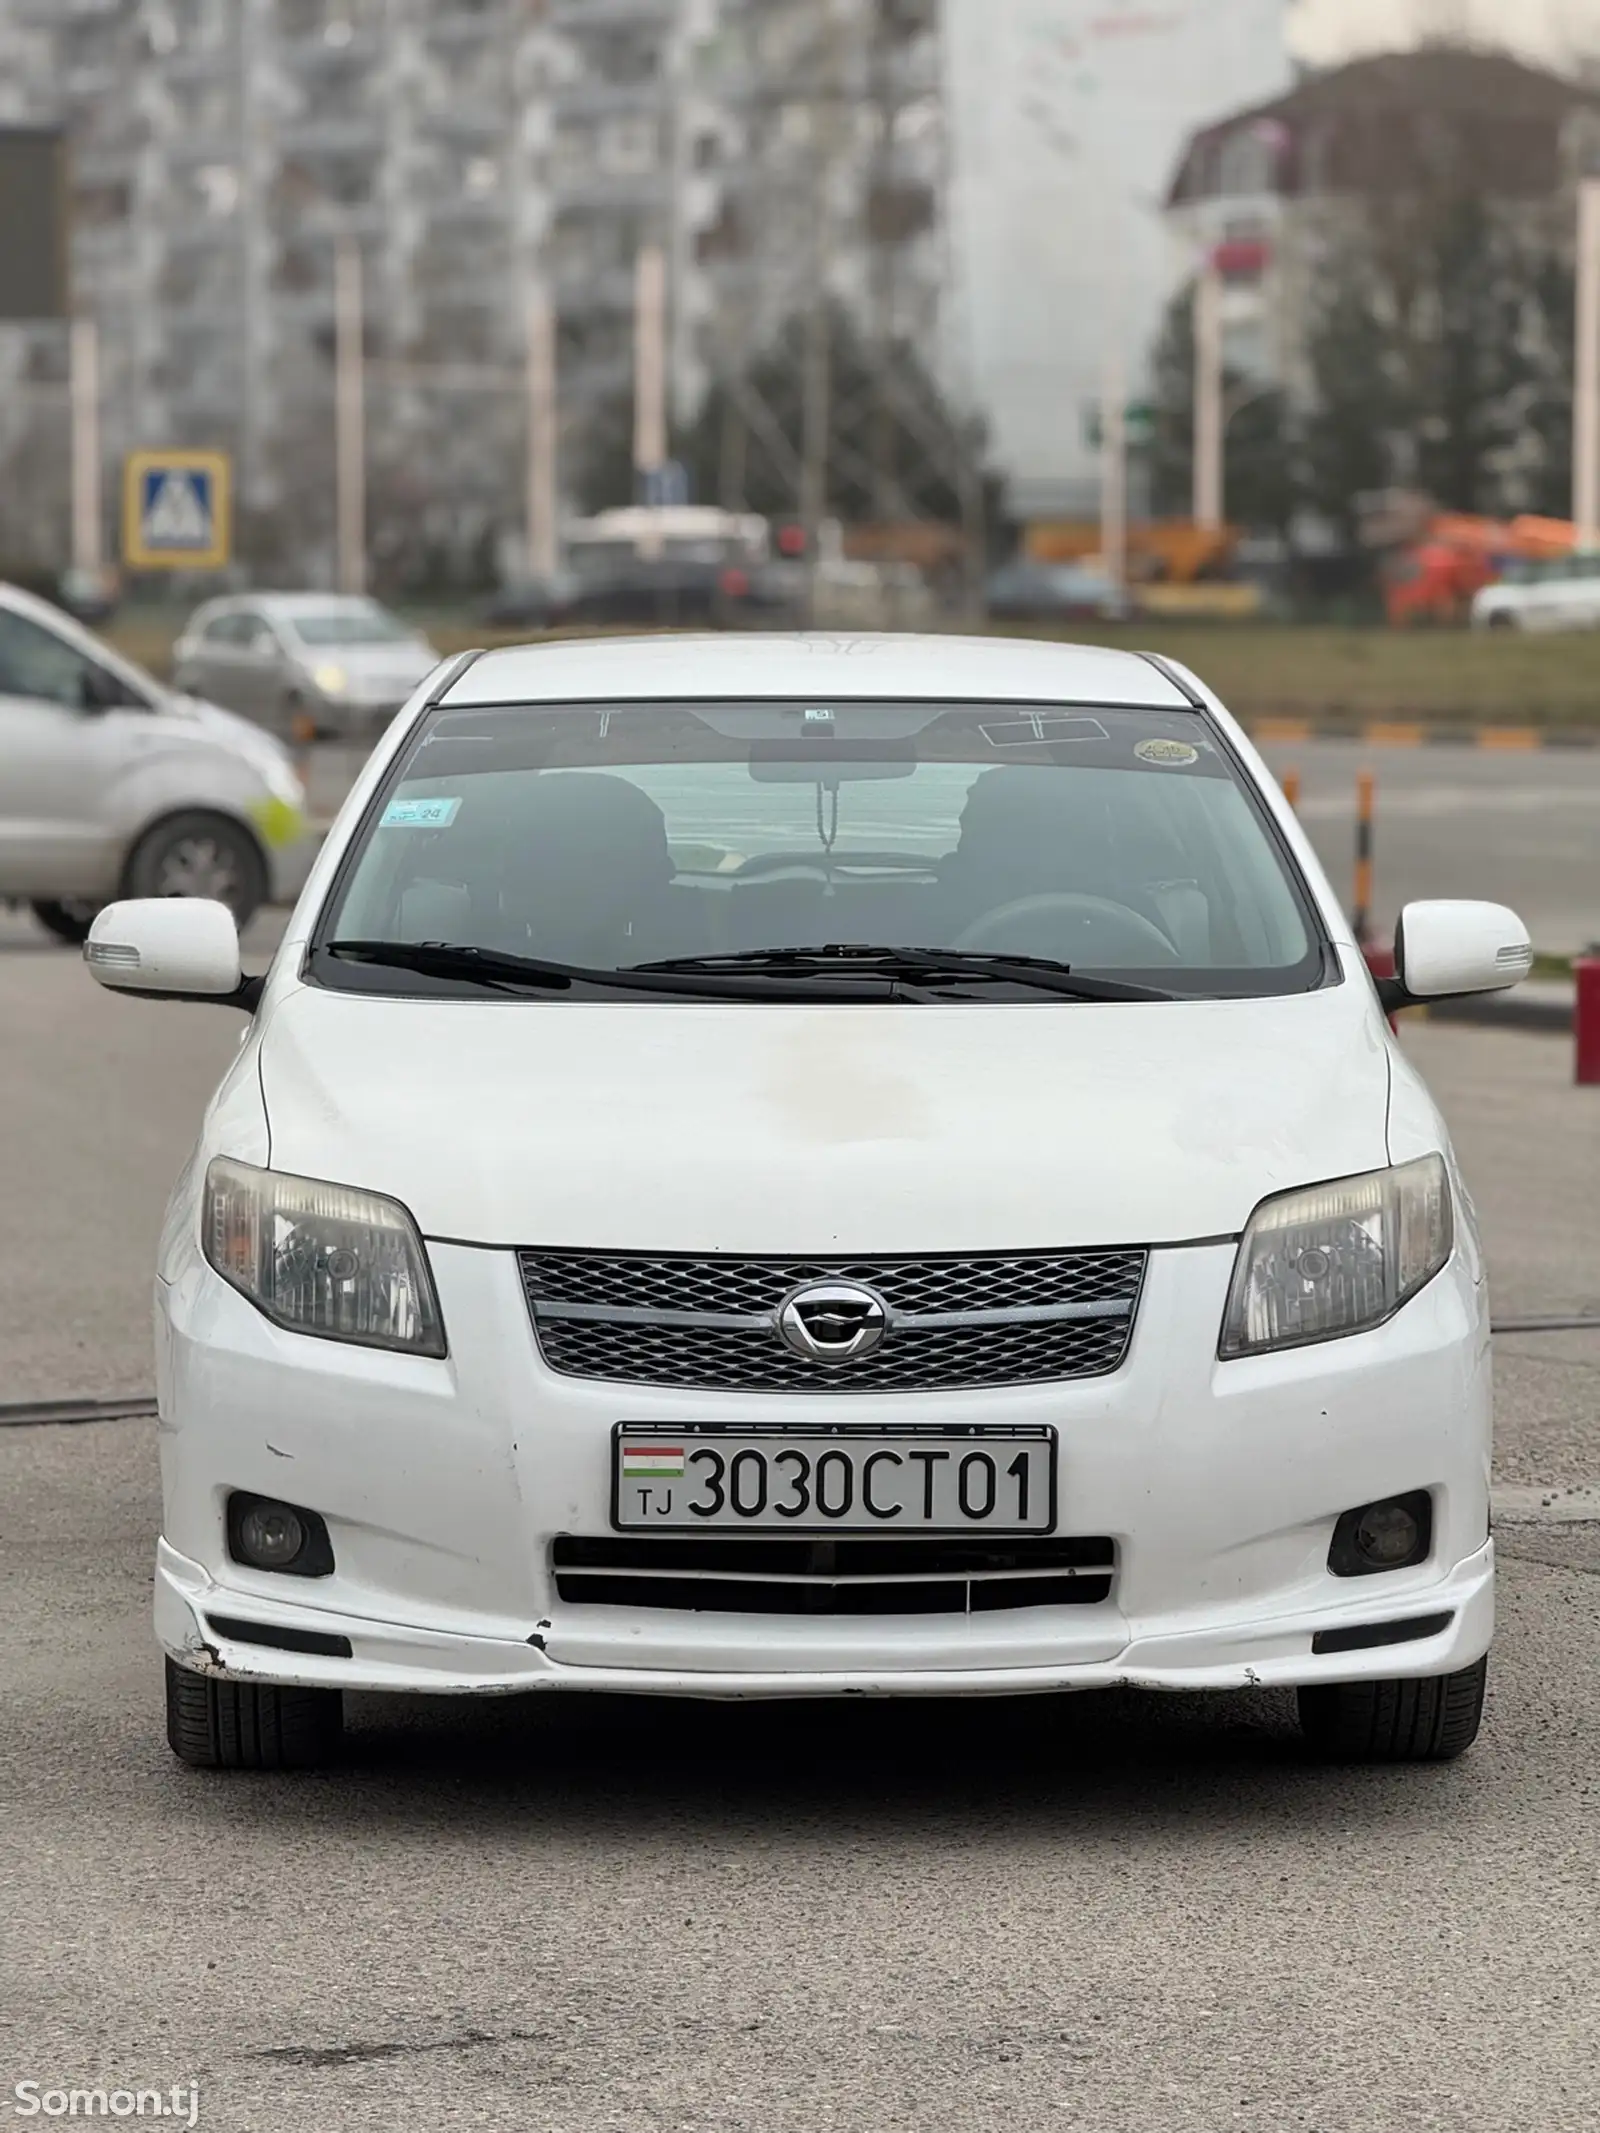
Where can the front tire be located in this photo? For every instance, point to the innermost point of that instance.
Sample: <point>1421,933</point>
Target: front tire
<point>67,919</point>
<point>250,1725</point>
<point>200,855</point>
<point>1428,1721</point>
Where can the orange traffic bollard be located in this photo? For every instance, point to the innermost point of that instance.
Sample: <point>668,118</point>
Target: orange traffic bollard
<point>1586,1020</point>
<point>1291,789</point>
<point>1366,800</point>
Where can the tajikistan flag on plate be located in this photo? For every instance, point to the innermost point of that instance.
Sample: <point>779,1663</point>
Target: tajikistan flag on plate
<point>652,1462</point>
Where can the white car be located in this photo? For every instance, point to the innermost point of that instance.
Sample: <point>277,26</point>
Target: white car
<point>303,664</point>
<point>1559,593</point>
<point>804,1166</point>
<point>111,785</point>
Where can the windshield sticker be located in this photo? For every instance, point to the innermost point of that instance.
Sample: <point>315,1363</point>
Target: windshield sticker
<point>1176,752</point>
<point>1036,731</point>
<point>420,814</point>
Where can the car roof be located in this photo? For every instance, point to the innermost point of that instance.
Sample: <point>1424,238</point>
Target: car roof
<point>308,603</point>
<point>963,669</point>
<point>286,605</point>
<point>72,631</point>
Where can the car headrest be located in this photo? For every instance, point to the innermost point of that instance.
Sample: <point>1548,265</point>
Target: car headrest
<point>1035,828</point>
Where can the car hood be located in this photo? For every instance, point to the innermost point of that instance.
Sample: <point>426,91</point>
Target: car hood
<point>815,1130</point>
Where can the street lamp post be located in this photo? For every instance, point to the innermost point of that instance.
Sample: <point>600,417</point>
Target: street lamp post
<point>1586,378</point>
<point>84,395</point>
<point>541,464</point>
<point>1210,415</point>
<point>350,445</point>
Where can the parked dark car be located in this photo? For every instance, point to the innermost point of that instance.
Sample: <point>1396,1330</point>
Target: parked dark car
<point>1023,591</point>
<point>534,604</point>
<point>664,592</point>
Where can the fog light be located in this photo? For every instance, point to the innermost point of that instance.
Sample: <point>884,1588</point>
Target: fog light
<point>271,1535</point>
<point>268,1535</point>
<point>1391,1535</point>
<point>1387,1535</point>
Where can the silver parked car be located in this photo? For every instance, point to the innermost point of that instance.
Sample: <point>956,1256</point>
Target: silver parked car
<point>303,663</point>
<point>113,786</point>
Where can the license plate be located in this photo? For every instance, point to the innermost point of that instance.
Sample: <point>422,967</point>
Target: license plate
<point>791,1481</point>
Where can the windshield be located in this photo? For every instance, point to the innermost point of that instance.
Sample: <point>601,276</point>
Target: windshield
<point>350,625</point>
<point>1118,842</point>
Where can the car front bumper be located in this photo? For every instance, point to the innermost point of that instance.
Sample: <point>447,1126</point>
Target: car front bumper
<point>443,1484</point>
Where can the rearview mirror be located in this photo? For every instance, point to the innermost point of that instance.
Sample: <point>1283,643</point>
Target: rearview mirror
<point>181,947</point>
<point>830,762</point>
<point>1442,950</point>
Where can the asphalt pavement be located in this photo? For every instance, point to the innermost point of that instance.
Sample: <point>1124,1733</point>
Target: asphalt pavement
<point>1516,828</point>
<point>1102,1912</point>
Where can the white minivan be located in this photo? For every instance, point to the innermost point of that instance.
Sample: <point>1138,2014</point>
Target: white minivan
<point>805,1166</point>
<point>112,785</point>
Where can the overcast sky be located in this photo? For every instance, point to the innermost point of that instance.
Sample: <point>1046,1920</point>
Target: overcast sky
<point>1551,30</point>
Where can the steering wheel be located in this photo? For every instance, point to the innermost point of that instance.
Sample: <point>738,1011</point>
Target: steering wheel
<point>1146,941</point>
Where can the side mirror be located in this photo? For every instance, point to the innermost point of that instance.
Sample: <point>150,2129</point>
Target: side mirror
<point>1445,950</point>
<point>178,947</point>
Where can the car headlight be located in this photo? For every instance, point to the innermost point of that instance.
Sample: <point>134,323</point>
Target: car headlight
<point>321,1259</point>
<point>1335,1259</point>
<point>331,680</point>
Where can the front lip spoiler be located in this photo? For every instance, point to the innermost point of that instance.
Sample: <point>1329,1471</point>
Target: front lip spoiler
<point>391,1657</point>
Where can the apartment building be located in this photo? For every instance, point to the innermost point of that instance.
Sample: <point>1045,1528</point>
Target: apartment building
<point>1268,189</point>
<point>829,144</point>
<point>226,150</point>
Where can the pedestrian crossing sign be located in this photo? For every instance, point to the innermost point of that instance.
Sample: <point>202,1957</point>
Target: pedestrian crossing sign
<point>176,511</point>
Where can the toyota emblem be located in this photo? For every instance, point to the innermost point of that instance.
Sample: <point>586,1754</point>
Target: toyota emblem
<point>832,1321</point>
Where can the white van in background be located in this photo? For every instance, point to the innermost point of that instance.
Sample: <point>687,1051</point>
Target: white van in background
<point>111,785</point>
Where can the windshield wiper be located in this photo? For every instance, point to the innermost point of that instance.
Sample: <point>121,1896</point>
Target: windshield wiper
<point>448,959</point>
<point>838,958</point>
<point>497,970</point>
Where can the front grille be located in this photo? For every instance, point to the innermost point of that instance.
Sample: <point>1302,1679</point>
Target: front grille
<point>826,1576</point>
<point>953,1324</point>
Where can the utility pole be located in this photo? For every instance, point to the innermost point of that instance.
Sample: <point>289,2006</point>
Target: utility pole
<point>881,242</point>
<point>678,325</point>
<point>816,380</point>
<point>1114,465</point>
<point>251,319</point>
<point>1586,378</point>
<point>1209,419</point>
<point>84,389</point>
<point>541,471</point>
<point>649,362</point>
<point>350,456</point>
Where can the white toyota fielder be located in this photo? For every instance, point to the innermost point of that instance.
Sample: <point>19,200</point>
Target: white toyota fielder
<point>785,1166</point>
